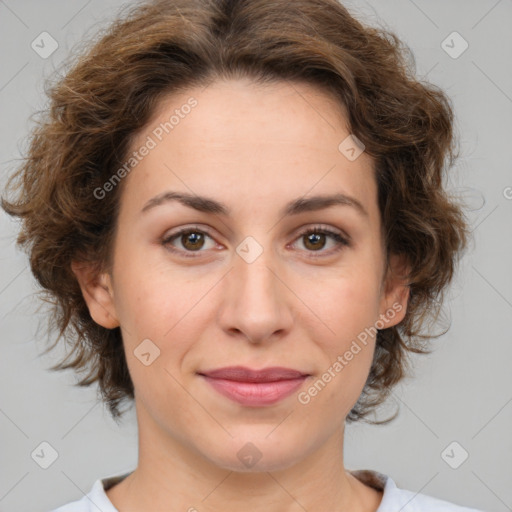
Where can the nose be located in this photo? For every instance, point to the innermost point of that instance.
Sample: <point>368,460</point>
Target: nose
<point>256,302</point>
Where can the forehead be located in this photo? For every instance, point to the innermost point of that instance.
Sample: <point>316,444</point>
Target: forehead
<point>243,115</point>
<point>240,140</point>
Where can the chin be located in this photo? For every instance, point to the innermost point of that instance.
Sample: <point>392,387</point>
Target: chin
<point>258,453</point>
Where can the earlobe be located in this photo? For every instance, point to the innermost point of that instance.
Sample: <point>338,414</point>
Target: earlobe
<point>396,292</point>
<point>98,294</point>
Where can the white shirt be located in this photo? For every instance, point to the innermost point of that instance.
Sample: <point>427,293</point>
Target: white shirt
<point>393,499</point>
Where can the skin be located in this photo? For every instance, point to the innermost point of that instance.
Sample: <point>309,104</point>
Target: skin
<point>253,148</point>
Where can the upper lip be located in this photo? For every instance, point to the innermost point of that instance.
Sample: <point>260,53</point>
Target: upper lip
<point>244,374</point>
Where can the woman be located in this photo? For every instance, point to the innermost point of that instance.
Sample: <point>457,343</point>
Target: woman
<point>237,209</point>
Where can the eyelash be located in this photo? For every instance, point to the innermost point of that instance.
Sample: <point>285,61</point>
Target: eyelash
<point>342,242</point>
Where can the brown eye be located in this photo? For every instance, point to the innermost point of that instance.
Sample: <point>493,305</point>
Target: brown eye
<point>315,240</point>
<point>192,241</point>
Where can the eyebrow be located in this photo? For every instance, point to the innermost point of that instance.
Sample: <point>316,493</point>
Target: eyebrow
<point>295,207</point>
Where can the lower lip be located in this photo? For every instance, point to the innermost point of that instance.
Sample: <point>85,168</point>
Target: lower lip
<point>255,393</point>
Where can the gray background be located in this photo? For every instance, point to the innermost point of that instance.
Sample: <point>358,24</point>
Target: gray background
<point>462,392</point>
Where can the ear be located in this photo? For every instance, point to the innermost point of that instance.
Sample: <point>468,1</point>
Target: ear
<point>395,290</point>
<point>97,292</point>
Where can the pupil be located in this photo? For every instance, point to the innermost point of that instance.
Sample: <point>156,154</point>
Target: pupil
<point>192,238</point>
<point>314,238</point>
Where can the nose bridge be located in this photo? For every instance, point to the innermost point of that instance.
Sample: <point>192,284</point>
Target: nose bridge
<point>256,300</point>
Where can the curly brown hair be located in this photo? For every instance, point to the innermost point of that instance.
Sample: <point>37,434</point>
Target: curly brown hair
<point>161,47</point>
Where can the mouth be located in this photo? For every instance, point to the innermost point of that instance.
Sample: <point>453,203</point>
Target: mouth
<point>255,388</point>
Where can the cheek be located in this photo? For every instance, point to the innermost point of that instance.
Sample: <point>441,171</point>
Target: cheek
<point>150,295</point>
<point>347,301</point>
<point>166,307</point>
<point>157,308</point>
<point>347,345</point>
<point>347,307</point>
<point>161,321</point>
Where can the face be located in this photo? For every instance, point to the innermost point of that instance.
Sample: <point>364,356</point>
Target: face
<point>263,276</point>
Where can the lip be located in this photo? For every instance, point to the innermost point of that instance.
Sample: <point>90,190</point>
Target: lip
<point>255,387</point>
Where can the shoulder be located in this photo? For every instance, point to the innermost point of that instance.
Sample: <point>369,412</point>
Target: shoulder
<point>409,501</point>
<point>74,506</point>
<point>88,503</point>
<point>96,499</point>
<point>394,498</point>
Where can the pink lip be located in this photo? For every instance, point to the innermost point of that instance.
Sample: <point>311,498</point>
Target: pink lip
<point>255,387</point>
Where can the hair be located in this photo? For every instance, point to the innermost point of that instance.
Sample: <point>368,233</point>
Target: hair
<point>157,48</point>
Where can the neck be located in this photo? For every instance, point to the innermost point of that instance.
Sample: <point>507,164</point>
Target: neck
<point>173,476</point>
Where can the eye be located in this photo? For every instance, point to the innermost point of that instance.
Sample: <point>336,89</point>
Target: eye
<point>314,239</point>
<point>192,240</point>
